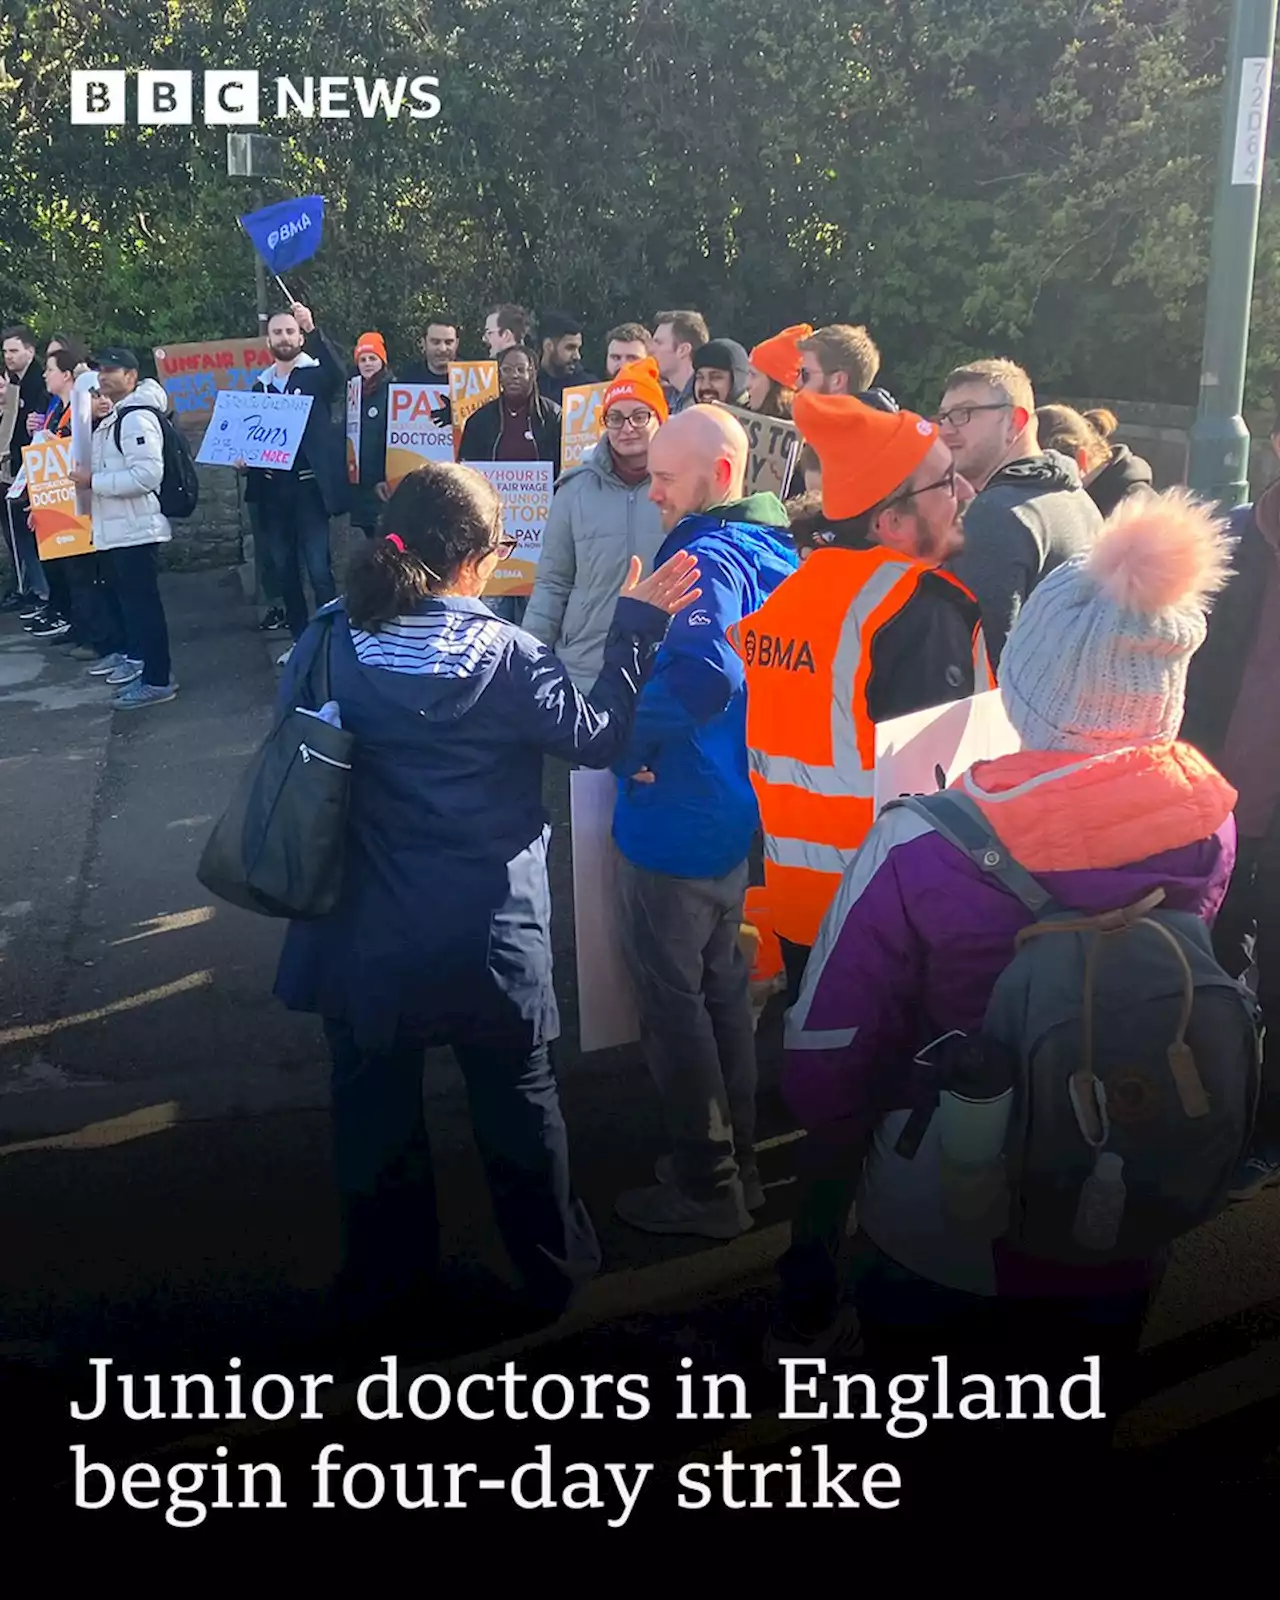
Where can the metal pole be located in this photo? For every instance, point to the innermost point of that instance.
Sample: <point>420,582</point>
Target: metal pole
<point>1218,464</point>
<point>260,276</point>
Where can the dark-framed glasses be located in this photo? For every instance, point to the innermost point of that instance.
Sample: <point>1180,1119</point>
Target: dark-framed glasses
<point>615,421</point>
<point>962,416</point>
<point>948,483</point>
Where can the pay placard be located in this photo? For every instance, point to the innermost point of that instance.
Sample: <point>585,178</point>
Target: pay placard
<point>263,430</point>
<point>472,384</point>
<point>60,529</point>
<point>413,436</point>
<point>525,489</point>
<point>582,423</point>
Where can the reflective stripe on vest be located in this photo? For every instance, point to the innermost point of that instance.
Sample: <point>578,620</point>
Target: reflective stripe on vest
<point>846,774</point>
<point>811,744</point>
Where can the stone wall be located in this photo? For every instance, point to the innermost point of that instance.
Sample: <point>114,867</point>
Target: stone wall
<point>1160,434</point>
<point>215,536</point>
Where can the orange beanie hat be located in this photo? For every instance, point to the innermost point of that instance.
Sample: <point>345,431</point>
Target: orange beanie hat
<point>865,454</point>
<point>779,358</point>
<point>638,381</point>
<point>374,344</point>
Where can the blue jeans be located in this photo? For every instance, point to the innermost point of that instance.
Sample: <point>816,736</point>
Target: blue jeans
<point>386,1181</point>
<point>295,528</point>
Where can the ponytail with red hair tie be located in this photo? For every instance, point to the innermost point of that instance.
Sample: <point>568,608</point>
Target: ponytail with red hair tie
<point>395,539</point>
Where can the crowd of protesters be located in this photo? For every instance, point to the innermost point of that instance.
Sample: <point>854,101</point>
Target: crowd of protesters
<point>728,655</point>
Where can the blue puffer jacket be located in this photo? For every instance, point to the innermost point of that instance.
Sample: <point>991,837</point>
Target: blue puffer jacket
<point>698,817</point>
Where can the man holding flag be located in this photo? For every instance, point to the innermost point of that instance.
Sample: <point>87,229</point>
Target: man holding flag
<point>294,507</point>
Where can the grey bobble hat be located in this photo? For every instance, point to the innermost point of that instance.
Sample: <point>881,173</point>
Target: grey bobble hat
<point>1097,659</point>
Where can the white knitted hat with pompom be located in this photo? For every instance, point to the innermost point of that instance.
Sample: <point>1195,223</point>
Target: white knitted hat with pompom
<point>1098,657</point>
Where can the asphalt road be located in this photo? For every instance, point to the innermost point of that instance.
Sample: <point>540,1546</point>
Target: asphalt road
<point>164,1185</point>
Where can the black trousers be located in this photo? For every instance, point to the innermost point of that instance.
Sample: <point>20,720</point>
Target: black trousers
<point>295,530</point>
<point>133,574</point>
<point>386,1180</point>
<point>908,1321</point>
<point>1247,934</point>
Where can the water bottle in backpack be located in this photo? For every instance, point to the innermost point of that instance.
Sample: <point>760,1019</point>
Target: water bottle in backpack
<point>1136,1066</point>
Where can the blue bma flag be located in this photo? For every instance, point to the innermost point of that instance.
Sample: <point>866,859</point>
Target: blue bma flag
<point>286,234</point>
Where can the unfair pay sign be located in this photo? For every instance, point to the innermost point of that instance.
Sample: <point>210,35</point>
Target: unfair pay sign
<point>263,430</point>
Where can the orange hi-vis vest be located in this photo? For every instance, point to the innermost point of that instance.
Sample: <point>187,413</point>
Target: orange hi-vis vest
<point>811,742</point>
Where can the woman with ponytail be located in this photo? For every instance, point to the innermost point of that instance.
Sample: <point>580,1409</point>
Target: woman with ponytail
<point>1102,806</point>
<point>442,935</point>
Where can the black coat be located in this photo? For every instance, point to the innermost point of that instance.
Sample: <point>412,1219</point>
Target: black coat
<point>1216,673</point>
<point>324,448</point>
<point>483,430</point>
<point>364,505</point>
<point>32,397</point>
<point>1123,476</point>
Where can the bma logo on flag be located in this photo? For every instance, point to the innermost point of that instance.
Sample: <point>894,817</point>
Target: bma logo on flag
<point>235,98</point>
<point>291,230</point>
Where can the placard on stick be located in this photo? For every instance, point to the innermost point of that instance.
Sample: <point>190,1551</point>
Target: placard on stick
<point>607,1014</point>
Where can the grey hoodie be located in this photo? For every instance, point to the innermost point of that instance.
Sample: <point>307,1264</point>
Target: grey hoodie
<point>597,523</point>
<point>1032,516</point>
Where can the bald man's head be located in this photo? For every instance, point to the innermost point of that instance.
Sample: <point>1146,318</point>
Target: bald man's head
<point>697,459</point>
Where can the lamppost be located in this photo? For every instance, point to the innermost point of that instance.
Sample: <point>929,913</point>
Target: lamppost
<point>257,156</point>
<point>1218,465</point>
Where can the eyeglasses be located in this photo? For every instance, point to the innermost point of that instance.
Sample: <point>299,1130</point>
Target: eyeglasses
<point>948,483</point>
<point>616,422</point>
<point>962,416</point>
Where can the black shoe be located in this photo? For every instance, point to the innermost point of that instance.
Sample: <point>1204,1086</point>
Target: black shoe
<point>12,600</point>
<point>31,608</point>
<point>273,621</point>
<point>50,626</point>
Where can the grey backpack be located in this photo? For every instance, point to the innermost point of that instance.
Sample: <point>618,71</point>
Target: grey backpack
<point>1127,1040</point>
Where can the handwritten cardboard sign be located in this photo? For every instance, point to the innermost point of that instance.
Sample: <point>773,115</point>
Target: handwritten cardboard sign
<point>263,430</point>
<point>774,445</point>
<point>193,375</point>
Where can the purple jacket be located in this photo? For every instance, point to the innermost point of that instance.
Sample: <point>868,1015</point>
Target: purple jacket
<point>917,936</point>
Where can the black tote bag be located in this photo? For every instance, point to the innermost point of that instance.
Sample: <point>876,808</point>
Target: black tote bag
<point>279,848</point>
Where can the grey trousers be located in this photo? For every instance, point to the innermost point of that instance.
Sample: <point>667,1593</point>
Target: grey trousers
<point>680,937</point>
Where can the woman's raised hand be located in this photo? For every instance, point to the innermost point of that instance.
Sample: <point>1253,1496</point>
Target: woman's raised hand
<point>670,588</point>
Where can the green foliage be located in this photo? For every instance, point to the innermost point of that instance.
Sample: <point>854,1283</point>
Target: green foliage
<point>967,176</point>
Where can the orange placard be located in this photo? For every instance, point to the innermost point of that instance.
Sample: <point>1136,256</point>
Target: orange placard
<point>582,424</point>
<point>51,495</point>
<point>472,384</point>
<point>413,437</point>
<point>525,490</point>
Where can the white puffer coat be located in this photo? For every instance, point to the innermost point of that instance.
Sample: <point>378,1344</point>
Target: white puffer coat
<point>126,510</point>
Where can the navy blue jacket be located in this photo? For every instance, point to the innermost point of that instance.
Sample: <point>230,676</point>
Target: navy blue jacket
<point>443,929</point>
<point>323,449</point>
<point>699,815</point>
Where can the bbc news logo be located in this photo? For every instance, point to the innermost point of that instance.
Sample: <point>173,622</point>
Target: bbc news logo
<point>236,98</point>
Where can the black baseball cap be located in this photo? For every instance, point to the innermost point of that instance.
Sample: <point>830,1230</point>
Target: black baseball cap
<point>116,355</point>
